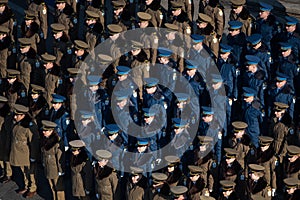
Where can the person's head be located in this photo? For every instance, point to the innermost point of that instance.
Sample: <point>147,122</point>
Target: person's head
<point>291,24</point>
<point>3,32</point>
<point>179,125</point>
<point>230,155</point>
<point>179,192</point>
<point>252,63</point>
<point>29,17</point>
<point>265,10</point>
<point>48,60</point>
<point>265,142</point>
<point>149,2</point>
<point>293,153</point>
<point>20,112</point>
<point>3,6</point>
<point>80,47</point>
<point>60,4</point>
<point>225,51</point>
<point>207,114</point>
<point>195,172</point>
<point>118,7</point>
<point>286,49</point>
<point>291,185</point>
<point>239,128</point>
<point>158,179</point>
<point>279,109</point>
<point>142,145</point>
<point>114,31</point>
<point>164,55</point>
<point>57,101</point>
<point>24,45</point>
<point>173,162</point>
<point>182,100</point>
<point>249,94</point>
<point>204,143</point>
<point>227,187</point>
<point>256,171</point>
<point>151,85</point>
<point>216,81</point>
<point>11,75</point>
<point>91,17</point>
<point>48,128</point>
<point>93,82</point>
<point>76,146</point>
<point>149,115</point>
<point>176,8</point>
<point>237,6</point>
<point>234,27</point>
<point>103,157</point>
<point>197,41</point>
<point>36,91</point>
<point>144,19</point>
<point>254,40</point>
<point>203,20</point>
<point>122,72</point>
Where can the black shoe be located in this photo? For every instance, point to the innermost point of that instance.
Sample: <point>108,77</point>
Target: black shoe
<point>5,179</point>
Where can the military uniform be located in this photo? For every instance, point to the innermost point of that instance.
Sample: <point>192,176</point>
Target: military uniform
<point>7,19</point>
<point>228,186</point>
<point>24,147</point>
<point>244,16</point>
<point>292,184</point>
<point>31,30</point>
<point>121,18</point>
<point>94,31</point>
<point>291,166</point>
<point>173,171</point>
<point>136,190</point>
<point>178,192</point>
<point>195,185</point>
<point>4,50</point>
<point>154,9</point>
<point>106,178</point>
<point>81,170</point>
<point>52,159</point>
<point>207,30</point>
<point>160,190</point>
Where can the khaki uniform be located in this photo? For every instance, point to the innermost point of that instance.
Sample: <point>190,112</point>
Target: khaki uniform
<point>218,20</point>
<point>26,65</point>
<point>41,10</point>
<point>242,147</point>
<point>51,82</point>
<point>156,16</point>
<point>62,50</point>
<point>65,18</point>
<point>4,51</point>
<point>100,13</point>
<point>245,18</point>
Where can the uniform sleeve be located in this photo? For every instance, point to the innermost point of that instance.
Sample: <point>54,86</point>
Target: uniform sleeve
<point>35,142</point>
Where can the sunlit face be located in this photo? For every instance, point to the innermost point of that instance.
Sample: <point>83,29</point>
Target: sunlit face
<point>118,11</point>
<point>122,104</point>
<point>227,193</point>
<point>86,121</point>
<point>264,148</point>
<point>76,151</point>
<point>293,158</point>
<point>178,130</point>
<point>114,36</point>
<point>163,60</point>
<point>60,6</point>
<point>148,2</point>
<point>122,77</point>
<point>248,99</point>
<point>135,179</point>
<point>24,49</point>
<point>102,162</point>
<point>234,32</point>
<point>194,177</point>
<point>141,149</point>
<point>11,80</point>
<point>28,22</point>
<point>34,96</point>
<point>94,88</point>
<point>181,104</point>
<point>148,119</point>
<point>264,14</point>
<point>176,12</point>
<point>286,53</point>
<point>202,24</point>
<point>48,65</point>
<point>19,117</point>
<point>279,114</point>
<point>229,160</point>
<point>171,36</point>
<point>239,134</point>
<point>79,52</point>
<point>291,190</point>
<point>216,86</point>
<point>238,9</point>
<point>280,84</point>
<point>143,24</point>
<point>254,176</point>
<point>47,133</point>
<point>56,106</point>
<point>2,8</point>
<point>203,148</point>
<point>90,21</point>
<point>150,90</point>
<point>58,35</point>
<point>290,28</point>
<point>135,52</point>
<point>224,56</point>
<point>191,72</point>
<point>207,118</point>
<point>113,136</point>
<point>171,169</point>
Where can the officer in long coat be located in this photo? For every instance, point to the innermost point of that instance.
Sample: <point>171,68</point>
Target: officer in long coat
<point>160,190</point>
<point>292,191</point>
<point>81,170</point>
<point>30,29</point>
<point>106,179</point>
<point>94,29</point>
<point>52,159</point>
<point>173,171</point>
<point>24,148</point>
<point>154,9</point>
<point>228,190</point>
<point>5,41</point>
<point>291,163</point>
<point>6,117</point>
<point>195,182</point>
<point>121,16</point>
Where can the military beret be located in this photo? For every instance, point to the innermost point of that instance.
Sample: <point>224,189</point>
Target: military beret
<point>254,39</point>
<point>197,38</point>
<point>204,18</point>
<point>178,190</point>
<point>150,82</point>
<point>207,110</point>
<point>291,20</point>
<point>20,109</point>
<point>79,44</point>
<point>179,123</point>
<point>91,14</point>
<point>56,98</point>
<point>281,76</point>
<point>249,92</point>
<point>227,185</point>
<point>149,112</point>
<point>284,46</point>
<point>136,170</point>
<point>12,73</point>
<point>93,79</point>
<point>256,168</point>
<point>61,1</point>
<point>84,114</point>
<point>224,48</point>
<point>291,182</point>
<point>238,2</point>
<point>293,150</point>
<point>30,15</point>
<point>56,27</point>
<point>24,42</point>
<point>238,125</point>
<point>36,89</point>
<point>103,154</point>
<point>136,45</point>
<point>144,16</point>
<point>279,106</point>
<point>252,60</point>
<point>3,99</point>
<point>235,24</point>
<point>216,78</point>
<point>104,59</point>
<point>195,170</point>
<point>48,58</point>
<point>176,5</point>
<point>48,125</point>
<point>142,142</point>
<point>118,4</point>
<point>172,160</point>
<point>204,140</point>
<point>114,29</point>
<point>265,140</point>
<point>112,129</point>
<point>159,177</point>
<point>265,7</point>
<point>122,70</point>
<point>4,29</point>
<point>171,27</point>
<point>122,94</point>
<point>73,71</point>
<point>181,97</point>
<point>76,144</point>
<point>230,153</point>
<point>164,52</point>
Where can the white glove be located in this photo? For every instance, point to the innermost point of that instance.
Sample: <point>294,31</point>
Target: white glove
<point>61,173</point>
<point>32,160</point>
<point>87,192</point>
<point>97,195</point>
<point>273,192</point>
<point>66,148</point>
